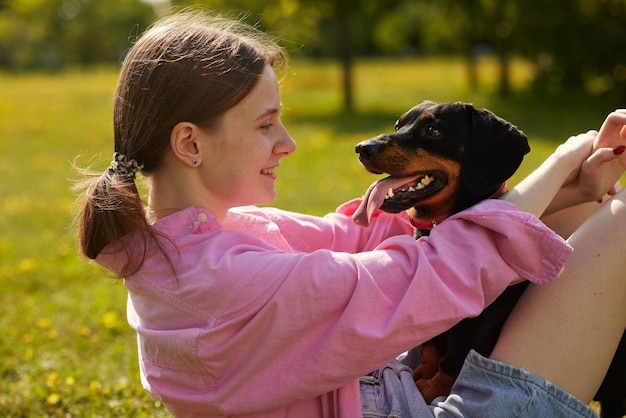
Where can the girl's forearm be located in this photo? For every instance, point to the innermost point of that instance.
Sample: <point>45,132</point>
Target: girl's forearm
<point>537,191</point>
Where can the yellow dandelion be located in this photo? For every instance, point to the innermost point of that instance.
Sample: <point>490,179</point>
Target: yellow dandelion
<point>26,264</point>
<point>70,381</point>
<point>53,379</point>
<point>53,399</point>
<point>43,323</point>
<point>110,320</point>
<point>94,386</point>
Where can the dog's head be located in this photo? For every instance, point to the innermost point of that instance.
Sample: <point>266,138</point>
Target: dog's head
<point>442,158</point>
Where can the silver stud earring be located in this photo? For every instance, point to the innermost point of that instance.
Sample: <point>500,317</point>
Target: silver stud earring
<point>194,162</point>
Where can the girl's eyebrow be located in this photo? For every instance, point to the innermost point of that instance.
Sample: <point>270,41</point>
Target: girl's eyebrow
<point>269,112</point>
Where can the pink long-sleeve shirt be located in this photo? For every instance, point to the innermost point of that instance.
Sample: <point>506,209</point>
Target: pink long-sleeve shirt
<point>277,314</point>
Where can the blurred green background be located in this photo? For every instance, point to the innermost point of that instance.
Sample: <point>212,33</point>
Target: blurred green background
<point>554,68</point>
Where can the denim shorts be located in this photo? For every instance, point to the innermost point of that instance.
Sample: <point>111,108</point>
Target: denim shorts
<point>485,388</point>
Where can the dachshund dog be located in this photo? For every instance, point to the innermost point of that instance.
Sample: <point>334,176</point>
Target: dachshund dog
<point>442,159</point>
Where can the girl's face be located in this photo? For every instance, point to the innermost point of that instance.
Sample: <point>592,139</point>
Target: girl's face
<point>245,149</point>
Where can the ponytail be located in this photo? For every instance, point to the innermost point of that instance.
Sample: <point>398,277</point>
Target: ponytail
<point>111,208</point>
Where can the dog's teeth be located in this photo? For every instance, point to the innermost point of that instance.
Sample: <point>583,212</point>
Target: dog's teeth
<point>425,181</point>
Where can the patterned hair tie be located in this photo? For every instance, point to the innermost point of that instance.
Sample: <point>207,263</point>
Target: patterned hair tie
<point>124,167</point>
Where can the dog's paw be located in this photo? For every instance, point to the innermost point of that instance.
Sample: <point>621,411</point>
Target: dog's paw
<point>439,385</point>
<point>425,371</point>
<point>429,366</point>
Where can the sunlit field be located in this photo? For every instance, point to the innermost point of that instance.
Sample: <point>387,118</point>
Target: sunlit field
<point>66,350</point>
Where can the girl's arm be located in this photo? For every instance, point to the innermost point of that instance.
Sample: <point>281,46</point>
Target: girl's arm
<point>581,170</point>
<point>337,231</point>
<point>539,189</point>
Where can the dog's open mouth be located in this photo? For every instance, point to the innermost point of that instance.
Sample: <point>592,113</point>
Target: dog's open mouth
<point>408,195</point>
<point>395,194</point>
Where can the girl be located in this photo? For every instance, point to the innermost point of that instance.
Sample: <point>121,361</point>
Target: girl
<point>244,311</point>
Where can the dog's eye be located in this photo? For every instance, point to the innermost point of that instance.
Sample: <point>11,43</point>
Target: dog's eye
<point>432,131</point>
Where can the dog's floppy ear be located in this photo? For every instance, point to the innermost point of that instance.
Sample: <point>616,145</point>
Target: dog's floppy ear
<point>493,152</point>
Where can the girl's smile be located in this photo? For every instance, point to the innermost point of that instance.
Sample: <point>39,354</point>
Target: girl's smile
<point>269,172</point>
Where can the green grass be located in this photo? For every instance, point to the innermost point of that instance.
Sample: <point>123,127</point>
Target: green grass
<point>66,349</point>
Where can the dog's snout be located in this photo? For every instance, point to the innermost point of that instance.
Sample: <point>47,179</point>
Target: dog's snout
<point>367,149</point>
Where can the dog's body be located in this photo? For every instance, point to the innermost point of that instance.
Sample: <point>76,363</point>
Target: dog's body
<point>443,158</point>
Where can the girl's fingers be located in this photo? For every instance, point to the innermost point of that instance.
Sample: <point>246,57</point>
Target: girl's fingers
<point>613,130</point>
<point>601,170</point>
<point>603,155</point>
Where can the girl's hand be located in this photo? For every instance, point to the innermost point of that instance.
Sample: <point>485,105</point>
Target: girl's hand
<point>599,173</point>
<point>575,151</point>
<point>581,170</point>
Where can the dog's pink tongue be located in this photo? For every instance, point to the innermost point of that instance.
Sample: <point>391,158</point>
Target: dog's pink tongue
<point>375,197</point>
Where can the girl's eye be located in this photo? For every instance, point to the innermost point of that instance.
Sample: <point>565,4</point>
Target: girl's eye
<point>432,131</point>
<point>267,125</point>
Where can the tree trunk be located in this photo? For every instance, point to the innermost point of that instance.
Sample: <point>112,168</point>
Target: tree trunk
<point>472,69</point>
<point>504,87</point>
<point>346,59</point>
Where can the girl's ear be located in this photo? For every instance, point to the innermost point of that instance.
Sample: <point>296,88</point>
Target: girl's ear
<point>184,143</point>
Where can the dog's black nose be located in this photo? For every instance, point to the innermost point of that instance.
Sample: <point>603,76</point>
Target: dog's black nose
<point>367,149</point>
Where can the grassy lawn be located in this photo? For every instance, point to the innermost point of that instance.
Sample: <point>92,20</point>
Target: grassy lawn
<point>66,349</point>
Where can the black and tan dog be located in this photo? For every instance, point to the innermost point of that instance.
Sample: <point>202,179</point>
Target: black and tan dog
<point>441,159</point>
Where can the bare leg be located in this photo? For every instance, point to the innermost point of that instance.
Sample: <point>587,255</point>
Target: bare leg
<point>567,331</point>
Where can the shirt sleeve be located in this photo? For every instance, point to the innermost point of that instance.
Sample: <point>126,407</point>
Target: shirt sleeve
<point>336,231</point>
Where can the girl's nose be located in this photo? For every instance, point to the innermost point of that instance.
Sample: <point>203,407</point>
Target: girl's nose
<point>285,145</point>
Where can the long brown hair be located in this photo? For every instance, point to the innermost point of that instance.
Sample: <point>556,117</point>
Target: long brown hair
<point>190,67</point>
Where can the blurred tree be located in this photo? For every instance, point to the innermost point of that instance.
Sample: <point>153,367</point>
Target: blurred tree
<point>341,28</point>
<point>53,34</point>
<point>572,43</point>
<point>97,31</point>
<point>480,27</point>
